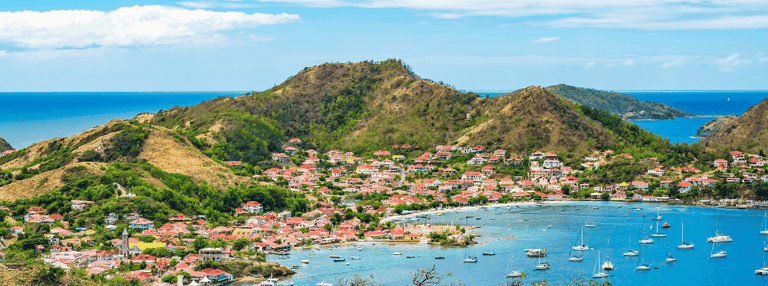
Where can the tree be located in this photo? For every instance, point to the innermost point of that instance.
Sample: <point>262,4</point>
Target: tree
<point>328,227</point>
<point>605,196</point>
<point>240,243</point>
<point>355,281</point>
<point>200,243</point>
<point>429,276</point>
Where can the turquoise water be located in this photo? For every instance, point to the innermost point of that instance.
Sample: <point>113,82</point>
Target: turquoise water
<point>678,130</point>
<point>617,229</point>
<point>30,117</point>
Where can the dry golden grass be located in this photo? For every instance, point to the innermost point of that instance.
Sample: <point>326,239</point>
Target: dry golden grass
<point>44,182</point>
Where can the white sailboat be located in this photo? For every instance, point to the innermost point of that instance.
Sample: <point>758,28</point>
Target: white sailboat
<point>684,244</point>
<point>670,258</point>
<point>763,270</point>
<point>596,274</point>
<point>541,265</point>
<point>643,266</point>
<point>512,273</point>
<point>658,217</point>
<point>582,247</point>
<point>470,258</point>
<point>719,238</point>
<point>607,265</point>
<point>720,254</point>
<point>574,257</point>
<point>765,227</point>
<point>658,234</point>
<point>630,252</point>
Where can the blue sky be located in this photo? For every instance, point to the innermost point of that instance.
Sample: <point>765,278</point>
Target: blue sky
<point>473,45</point>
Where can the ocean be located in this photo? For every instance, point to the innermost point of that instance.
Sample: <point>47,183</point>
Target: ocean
<point>618,229</point>
<point>682,130</point>
<point>30,117</point>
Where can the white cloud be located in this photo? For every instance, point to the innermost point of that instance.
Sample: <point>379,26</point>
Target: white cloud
<point>675,63</point>
<point>589,65</point>
<point>215,4</point>
<point>629,62</point>
<point>762,58</point>
<point>625,14</point>
<point>137,26</point>
<point>731,62</point>
<point>546,39</point>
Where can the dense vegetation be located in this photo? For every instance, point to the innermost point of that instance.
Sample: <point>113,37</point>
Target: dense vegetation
<point>619,104</point>
<point>4,145</point>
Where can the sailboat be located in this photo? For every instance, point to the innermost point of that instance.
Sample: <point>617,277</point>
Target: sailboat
<point>574,257</point>
<point>764,269</point>
<point>720,254</point>
<point>607,265</point>
<point>513,273</point>
<point>684,244</point>
<point>582,247</point>
<point>765,227</point>
<point>670,258</point>
<point>596,274</point>
<point>643,266</point>
<point>658,217</point>
<point>658,234</point>
<point>541,265</point>
<point>470,258</point>
<point>630,252</point>
<point>719,238</point>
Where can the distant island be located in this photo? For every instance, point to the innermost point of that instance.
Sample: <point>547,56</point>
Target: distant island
<point>622,105</point>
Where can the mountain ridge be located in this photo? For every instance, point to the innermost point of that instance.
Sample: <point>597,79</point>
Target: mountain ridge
<point>4,145</point>
<point>625,106</point>
<point>746,133</point>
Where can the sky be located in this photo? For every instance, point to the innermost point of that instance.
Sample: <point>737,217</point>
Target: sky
<point>482,45</point>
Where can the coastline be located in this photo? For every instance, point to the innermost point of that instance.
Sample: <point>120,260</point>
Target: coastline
<point>463,209</point>
<point>696,116</point>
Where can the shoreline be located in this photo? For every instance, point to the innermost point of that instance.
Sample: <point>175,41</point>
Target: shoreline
<point>693,116</point>
<point>464,209</point>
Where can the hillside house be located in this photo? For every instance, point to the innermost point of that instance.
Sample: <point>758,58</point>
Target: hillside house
<point>684,187</point>
<point>500,153</point>
<point>280,158</point>
<point>538,155</point>
<point>640,185</point>
<point>656,172</point>
<point>142,224</point>
<point>618,197</point>
<point>295,141</point>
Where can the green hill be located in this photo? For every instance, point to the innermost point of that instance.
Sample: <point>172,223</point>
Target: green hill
<point>623,105</point>
<point>4,146</point>
<point>746,133</point>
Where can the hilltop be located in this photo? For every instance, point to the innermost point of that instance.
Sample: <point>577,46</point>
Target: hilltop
<point>747,133</point>
<point>367,106</point>
<point>4,146</point>
<point>623,105</point>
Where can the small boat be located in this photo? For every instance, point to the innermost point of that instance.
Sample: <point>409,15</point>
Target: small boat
<point>295,267</point>
<point>398,253</point>
<point>347,263</point>
<point>334,256</point>
<point>671,259</point>
<point>720,254</point>
<point>582,247</point>
<point>596,274</point>
<point>339,260</point>
<point>541,266</point>
<point>575,258</point>
<point>684,244</point>
<point>607,265</point>
<point>470,260</point>
<point>646,241</point>
<point>305,261</point>
<point>439,257</point>
<point>594,208</point>
<point>323,284</point>
<point>643,266</point>
<point>411,256</point>
<point>765,226</point>
<point>359,249</point>
<point>489,253</point>
<point>665,225</point>
<point>535,252</point>
<point>512,272</point>
<point>637,209</point>
<point>658,217</point>
<point>590,225</point>
<point>719,238</point>
<point>658,234</point>
<point>354,258</point>
<point>762,271</point>
<point>478,218</point>
<point>632,253</point>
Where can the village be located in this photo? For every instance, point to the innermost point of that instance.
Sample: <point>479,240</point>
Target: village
<point>440,178</point>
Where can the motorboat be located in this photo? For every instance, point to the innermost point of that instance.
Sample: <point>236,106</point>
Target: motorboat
<point>411,256</point>
<point>470,260</point>
<point>305,261</point>
<point>684,244</point>
<point>671,259</point>
<point>644,266</point>
<point>323,284</point>
<point>398,253</point>
<point>489,253</point>
<point>590,225</point>
<point>354,258</point>
<point>439,257</point>
<point>762,271</point>
<point>575,258</point>
<point>594,208</point>
<point>665,225</point>
<point>339,260</point>
<point>535,252</point>
<point>607,265</point>
<point>646,241</point>
<point>719,238</point>
<point>334,256</point>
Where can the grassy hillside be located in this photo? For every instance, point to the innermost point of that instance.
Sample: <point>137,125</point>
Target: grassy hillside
<point>747,133</point>
<point>4,145</point>
<point>622,105</point>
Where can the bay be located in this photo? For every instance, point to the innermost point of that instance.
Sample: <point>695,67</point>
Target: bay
<point>617,230</point>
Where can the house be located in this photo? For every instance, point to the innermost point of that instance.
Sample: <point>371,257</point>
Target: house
<point>656,172</point>
<point>500,153</point>
<point>488,170</point>
<point>280,158</point>
<point>291,150</point>
<point>252,207</point>
<point>719,162</point>
<point>295,141</point>
<point>550,164</point>
<point>142,224</point>
<point>81,205</point>
<point>149,259</point>
<point>538,155</point>
<point>618,197</point>
<point>684,187</point>
<point>473,176</point>
<point>640,185</point>
<point>664,184</point>
<point>212,254</point>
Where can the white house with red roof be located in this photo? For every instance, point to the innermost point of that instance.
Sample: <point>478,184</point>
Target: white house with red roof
<point>656,172</point>
<point>684,187</point>
<point>252,207</point>
<point>142,224</point>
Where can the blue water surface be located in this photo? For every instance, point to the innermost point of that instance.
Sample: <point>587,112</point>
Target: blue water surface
<point>29,117</point>
<point>618,229</point>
